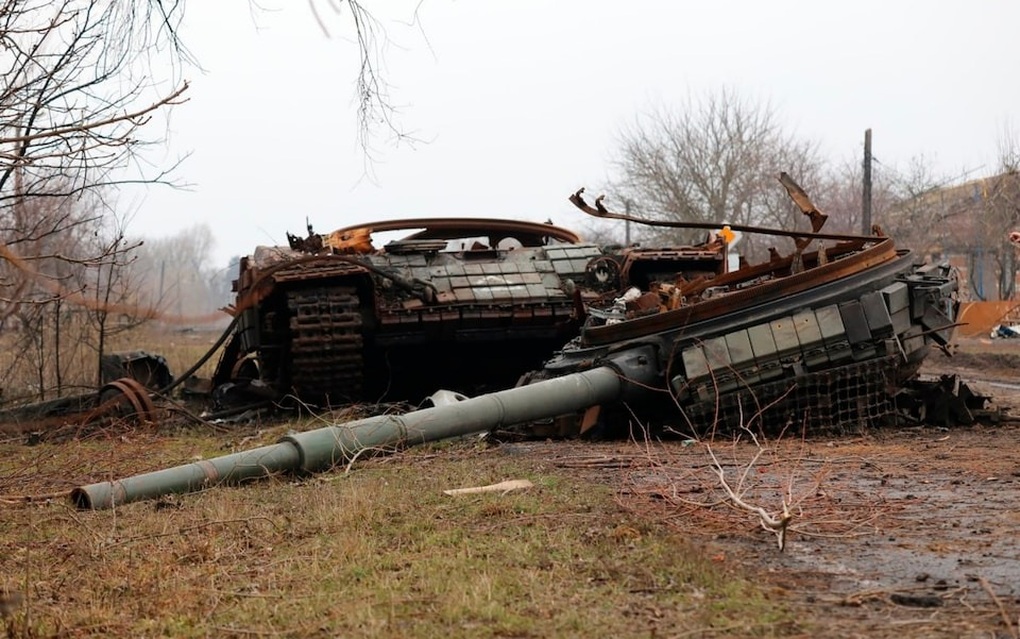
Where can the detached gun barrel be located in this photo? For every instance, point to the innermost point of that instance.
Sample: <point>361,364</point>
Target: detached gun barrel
<point>324,448</point>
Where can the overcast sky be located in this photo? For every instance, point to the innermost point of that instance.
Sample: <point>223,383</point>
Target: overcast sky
<point>518,103</point>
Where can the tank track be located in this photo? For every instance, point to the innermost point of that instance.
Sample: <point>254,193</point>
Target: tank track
<point>326,346</point>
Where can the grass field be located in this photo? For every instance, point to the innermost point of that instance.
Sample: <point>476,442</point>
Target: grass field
<point>379,551</point>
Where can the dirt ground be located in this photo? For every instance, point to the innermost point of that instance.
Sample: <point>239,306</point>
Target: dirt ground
<point>908,532</point>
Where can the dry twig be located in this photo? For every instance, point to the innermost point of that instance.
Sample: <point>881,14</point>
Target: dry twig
<point>1014,631</point>
<point>773,523</point>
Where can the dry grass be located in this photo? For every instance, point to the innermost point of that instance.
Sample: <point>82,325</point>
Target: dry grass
<point>378,552</point>
<point>181,348</point>
<point>19,368</point>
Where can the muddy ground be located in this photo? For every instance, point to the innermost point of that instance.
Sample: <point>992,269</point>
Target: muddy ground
<point>906,532</point>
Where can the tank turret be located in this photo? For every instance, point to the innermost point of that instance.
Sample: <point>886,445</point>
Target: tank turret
<point>464,304</point>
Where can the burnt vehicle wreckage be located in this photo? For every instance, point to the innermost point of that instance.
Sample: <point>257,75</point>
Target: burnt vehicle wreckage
<point>466,304</point>
<point>473,305</point>
<point>128,382</point>
<point>824,339</point>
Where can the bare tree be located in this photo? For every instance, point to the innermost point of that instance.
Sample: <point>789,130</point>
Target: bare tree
<point>74,102</point>
<point>51,238</point>
<point>713,159</point>
<point>176,276</point>
<point>922,204</point>
<point>115,305</point>
<point>842,195</point>
<point>1003,210</point>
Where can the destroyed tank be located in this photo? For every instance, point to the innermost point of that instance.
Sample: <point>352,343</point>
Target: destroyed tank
<point>465,304</point>
<point>812,341</point>
<point>822,340</point>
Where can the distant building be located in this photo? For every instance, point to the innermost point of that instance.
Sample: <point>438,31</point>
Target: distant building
<point>969,225</point>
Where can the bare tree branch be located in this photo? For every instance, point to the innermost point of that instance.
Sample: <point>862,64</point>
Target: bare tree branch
<point>375,107</point>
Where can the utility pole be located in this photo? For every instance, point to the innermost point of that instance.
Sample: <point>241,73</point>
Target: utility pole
<point>626,223</point>
<point>866,199</point>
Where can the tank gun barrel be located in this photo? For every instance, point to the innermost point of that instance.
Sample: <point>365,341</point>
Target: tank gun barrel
<point>324,448</point>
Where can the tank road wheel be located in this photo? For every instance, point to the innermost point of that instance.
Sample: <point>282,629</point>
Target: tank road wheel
<point>326,346</point>
<point>127,398</point>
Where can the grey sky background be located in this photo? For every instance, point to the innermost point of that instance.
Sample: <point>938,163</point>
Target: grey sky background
<point>519,103</point>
